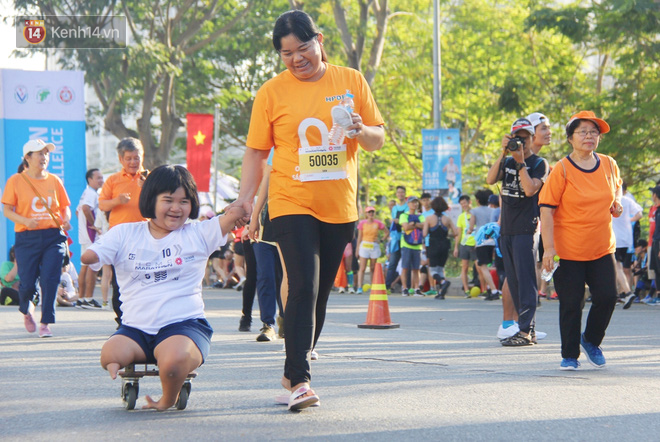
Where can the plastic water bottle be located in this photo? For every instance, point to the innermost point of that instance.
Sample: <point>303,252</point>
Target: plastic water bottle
<point>341,119</point>
<point>547,276</point>
<point>349,105</point>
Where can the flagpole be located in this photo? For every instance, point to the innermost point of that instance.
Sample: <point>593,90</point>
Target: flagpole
<point>216,143</point>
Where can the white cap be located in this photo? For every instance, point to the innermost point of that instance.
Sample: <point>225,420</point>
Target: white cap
<point>522,124</point>
<point>37,145</point>
<point>537,118</point>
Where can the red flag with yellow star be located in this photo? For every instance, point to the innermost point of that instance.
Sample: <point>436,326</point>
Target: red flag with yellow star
<point>198,155</point>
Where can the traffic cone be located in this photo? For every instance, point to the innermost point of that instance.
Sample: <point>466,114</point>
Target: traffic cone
<point>378,315</point>
<point>340,279</point>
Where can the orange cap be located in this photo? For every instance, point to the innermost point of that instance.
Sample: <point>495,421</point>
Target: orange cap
<point>589,115</point>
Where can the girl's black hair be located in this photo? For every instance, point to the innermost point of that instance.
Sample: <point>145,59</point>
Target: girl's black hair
<point>298,23</point>
<point>166,179</point>
<point>12,254</point>
<point>439,205</point>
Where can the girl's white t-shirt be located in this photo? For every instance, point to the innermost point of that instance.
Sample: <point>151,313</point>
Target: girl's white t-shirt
<point>160,280</point>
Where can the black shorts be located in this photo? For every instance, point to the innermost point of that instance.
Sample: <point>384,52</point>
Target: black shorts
<point>485,255</point>
<point>621,255</point>
<point>220,253</point>
<point>238,248</point>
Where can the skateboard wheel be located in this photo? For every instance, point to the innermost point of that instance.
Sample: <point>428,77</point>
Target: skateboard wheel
<point>182,400</point>
<point>130,395</point>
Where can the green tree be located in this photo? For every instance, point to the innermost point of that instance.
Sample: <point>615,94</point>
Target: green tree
<point>143,79</point>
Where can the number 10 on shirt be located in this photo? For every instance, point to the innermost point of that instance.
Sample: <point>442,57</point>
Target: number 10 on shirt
<point>321,163</point>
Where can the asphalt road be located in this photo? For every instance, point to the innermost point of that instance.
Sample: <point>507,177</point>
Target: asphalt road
<point>442,376</point>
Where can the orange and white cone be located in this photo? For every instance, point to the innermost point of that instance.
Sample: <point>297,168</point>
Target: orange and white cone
<point>378,315</point>
<point>340,279</point>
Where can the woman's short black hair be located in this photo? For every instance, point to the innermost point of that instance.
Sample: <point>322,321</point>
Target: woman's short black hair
<point>570,129</point>
<point>298,23</point>
<point>166,179</point>
<point>439,205</point>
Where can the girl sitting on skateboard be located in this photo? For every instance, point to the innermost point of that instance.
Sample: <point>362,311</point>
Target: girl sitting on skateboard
<point>160,266</point>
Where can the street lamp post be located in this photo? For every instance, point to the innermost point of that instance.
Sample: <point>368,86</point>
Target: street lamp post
<point>437,86</point>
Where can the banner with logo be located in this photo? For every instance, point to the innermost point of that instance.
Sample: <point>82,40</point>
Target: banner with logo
<point>48,105</point>
<point>441,158</point>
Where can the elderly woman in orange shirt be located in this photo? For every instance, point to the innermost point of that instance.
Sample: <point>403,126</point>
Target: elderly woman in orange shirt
<point>578,201</point>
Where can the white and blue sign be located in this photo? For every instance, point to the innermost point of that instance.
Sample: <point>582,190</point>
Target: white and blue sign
<point>48,105</point>
<point>441,158</point>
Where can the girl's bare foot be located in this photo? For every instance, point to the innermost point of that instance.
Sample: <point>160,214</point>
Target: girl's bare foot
<point>156,404</point>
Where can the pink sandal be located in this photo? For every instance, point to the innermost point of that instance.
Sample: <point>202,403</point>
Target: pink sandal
<point>283,399</point>
<point>300,399</point>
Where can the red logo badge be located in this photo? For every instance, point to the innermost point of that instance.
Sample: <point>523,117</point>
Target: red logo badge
<point>34,31</point>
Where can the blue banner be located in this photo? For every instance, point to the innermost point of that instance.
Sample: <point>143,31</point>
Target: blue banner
<point>49,106</point>
<point>441,158</point>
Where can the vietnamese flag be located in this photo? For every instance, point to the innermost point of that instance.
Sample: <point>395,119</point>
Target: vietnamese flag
<point>198,152</point>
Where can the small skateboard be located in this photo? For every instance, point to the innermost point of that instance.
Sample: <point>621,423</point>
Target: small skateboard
<point>130,385</point>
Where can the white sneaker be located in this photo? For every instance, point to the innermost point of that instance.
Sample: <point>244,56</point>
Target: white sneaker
<point>240,284</point>
<point>351,290</point>
<point>540,335</point>
<point>503,333</point>
<point>341,290</point>
<point>314,356</point>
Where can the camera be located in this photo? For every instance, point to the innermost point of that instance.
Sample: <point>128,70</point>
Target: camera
<point>515,143</point>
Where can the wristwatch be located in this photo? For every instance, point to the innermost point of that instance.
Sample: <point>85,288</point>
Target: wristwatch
<point>519,165</point>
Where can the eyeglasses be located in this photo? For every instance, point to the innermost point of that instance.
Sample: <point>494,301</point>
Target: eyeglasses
<point>583,133</point>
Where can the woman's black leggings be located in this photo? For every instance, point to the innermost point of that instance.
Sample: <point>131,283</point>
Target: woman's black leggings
<point>312,251</point>
<point>250,287</point>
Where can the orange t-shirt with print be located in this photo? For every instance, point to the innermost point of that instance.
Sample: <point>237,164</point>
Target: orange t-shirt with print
<point>20,195</point>
<point>122,182</point>
<point>582,201</point>
<point>283,106</point>
<point>370,230</point>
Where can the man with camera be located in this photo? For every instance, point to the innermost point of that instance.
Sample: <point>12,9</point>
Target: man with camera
<point>522,174</point>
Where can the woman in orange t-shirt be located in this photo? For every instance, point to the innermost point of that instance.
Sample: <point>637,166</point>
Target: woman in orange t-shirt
<point>313,185</point>
<point>40,243</point>
<point>577,202</point>
<point>368,246</point>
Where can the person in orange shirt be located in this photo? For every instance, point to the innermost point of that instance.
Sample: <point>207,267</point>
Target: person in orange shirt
<point>120,195</point>
<point>578,201</point>
<point>368,245</point>
<point>38,204</point>
<point>313,185</point>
